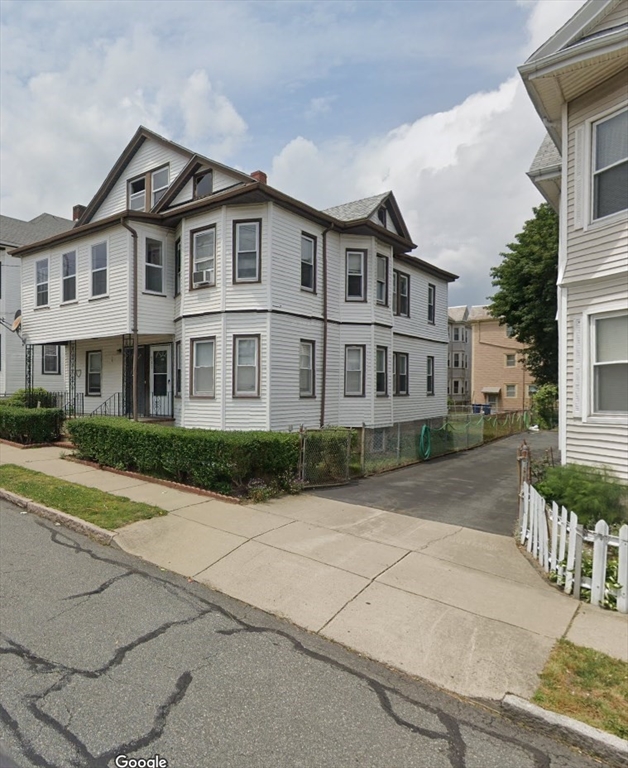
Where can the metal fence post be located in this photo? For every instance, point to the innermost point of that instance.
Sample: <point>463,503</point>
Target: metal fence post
<point>398,441</point>
<point>363,450</point>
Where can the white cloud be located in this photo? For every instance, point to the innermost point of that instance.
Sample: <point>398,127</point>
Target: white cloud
<point>319,106</point>
<point>459,175</point>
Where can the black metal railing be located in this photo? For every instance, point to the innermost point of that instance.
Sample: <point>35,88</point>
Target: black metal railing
<point>112,406</point>
<point>71,404</point>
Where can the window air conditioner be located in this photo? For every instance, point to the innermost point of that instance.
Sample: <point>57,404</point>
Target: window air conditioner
<point>204,277</point>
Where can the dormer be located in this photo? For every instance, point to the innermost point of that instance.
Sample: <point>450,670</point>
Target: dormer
<point>150,186</point>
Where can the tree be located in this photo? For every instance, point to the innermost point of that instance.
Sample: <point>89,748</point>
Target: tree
<point>526,296</point>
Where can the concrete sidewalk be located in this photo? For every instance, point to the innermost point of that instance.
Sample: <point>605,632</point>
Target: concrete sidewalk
<point>458,607</point>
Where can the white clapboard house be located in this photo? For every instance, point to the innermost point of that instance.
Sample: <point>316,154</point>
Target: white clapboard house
<point>578,82</point>
<point>193,291</point>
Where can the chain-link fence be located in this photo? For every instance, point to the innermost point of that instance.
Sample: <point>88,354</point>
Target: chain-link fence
<point>335,455</point>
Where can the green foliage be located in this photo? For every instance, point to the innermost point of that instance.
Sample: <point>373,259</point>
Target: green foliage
<point>545,406</point>
<point>225,462</point>
<point>326,452</point>
<point>30,425</point>
<point>593,494</point>
<point>526,296</point>
<point>37,397</point>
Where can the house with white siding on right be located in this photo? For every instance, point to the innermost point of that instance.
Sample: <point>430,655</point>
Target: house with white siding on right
<point>188,290</point>
<point>578,83</point>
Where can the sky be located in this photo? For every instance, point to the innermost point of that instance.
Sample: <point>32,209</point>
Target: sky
<point>335,101</point>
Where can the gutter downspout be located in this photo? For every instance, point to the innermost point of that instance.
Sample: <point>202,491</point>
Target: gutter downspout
<point>134,327</point>
<point>325,325</point>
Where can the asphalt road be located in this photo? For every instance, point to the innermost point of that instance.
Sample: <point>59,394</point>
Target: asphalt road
<point>475,489</point>
<point>104,655</point>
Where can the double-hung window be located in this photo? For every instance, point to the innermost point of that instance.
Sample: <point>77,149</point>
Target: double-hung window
<point>94,373</point>
<point>610,165</point>
<point>159,184</point>
<point>246,366</point>
<point>511,390</point>
<point>203,367</point>
<point>431,303</point>
<point>308,262</point>
<point>401,294</point>
<point>609,341</point>
<point>511,361</point>
<point>68,266</point>
<point>137,194</point>
<point>456,334</point>
<point>177,267</point>
<point>246,251</point>
<point>177,369</point>
<point>50,360</point>
<point>430,375</point>
<point>154,277</point>
<point>381,371</point>
<point>400,373</point>
<point>99,269</point>
<point>306,369</point>
<point>41,283</point>
<point>356,276</point>
<point>456,360</point>
<point>203,184</point>
<point>354,370</point>
<point>203,248</point>
<point>382,280</point>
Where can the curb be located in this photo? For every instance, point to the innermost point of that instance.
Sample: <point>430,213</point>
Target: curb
<point>603,745</point>
<point>100,535</point>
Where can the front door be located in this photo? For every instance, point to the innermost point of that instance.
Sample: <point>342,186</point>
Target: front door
<point>160,381</point>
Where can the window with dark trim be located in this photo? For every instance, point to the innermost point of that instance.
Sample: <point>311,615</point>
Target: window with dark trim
<point>401,293</point>
<point>381,371</point>
<point>203,367</point>
<point>177,267</point>
<point>431,303</point>
<point>99,269</point>
<point>203,256</point>
<point>430,375</point>
<point>247,242</point>
<point>203,183</point>
<point>150,186</point>
<point>400,373</point>
<point>306,368</point>
<point>382,280</point>
<point>246,368</point>
<point>610,165</point>
<point>381,215</point>
<point>159,183</point>
<point>94,374</point>
<point>354,370</point>
<point>137,194</point>
<point>50,360</point>
<point>68,272</point>
<point>355,276</point>
<point>308,262</point>
<point>177,369</point>
<point>154,274</point>
<point>41,283</point>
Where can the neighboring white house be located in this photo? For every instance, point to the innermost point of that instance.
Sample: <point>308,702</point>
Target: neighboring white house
<point>47,360</point>
<point>459,358</point>
<point>578,82</point>
<point>202,293</point>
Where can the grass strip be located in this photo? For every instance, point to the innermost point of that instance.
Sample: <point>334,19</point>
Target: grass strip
<point>97,507</point>
<point>586,685</point>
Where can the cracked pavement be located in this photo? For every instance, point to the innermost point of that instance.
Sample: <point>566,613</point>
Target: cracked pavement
<point>102,654</point>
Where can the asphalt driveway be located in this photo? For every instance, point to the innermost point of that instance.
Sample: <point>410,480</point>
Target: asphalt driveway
<point>474,489</point>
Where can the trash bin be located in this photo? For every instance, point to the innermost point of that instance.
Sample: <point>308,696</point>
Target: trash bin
<point>487,409</point>
<point>476,408</point>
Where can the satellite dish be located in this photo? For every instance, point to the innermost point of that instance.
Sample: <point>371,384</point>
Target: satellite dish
<point>17,320</point>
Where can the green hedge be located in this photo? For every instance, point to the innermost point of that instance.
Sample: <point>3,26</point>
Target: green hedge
<point>225,462</point>
<point>36,398</point>
<point>30,425</point>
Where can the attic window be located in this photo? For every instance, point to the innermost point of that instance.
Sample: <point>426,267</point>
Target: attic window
<point>203,184</point>
<point>159,184</point>
<point>381,215</point>
<point>137,194</point>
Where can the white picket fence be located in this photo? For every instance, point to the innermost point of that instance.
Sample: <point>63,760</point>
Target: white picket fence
<point>554,537</point>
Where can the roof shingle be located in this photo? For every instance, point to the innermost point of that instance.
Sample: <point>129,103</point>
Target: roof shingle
<point>17,232</point>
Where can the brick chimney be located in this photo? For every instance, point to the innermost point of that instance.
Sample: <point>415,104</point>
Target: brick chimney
<point>260,176</point>
<point>77,212</point>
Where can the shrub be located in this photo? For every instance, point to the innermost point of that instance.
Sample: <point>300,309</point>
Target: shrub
<point>545,406</point>
<point>593,494</point>
<point>225,462</point>
<point>30,425</point>
<point>37,397</point>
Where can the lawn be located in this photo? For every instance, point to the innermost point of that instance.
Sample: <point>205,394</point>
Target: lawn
<point>586,685</point>
<point>97,507</point>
